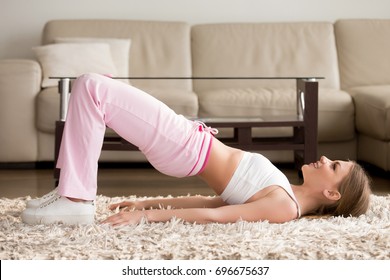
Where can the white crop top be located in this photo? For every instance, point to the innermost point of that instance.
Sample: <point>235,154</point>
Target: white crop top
<point>254,173</point>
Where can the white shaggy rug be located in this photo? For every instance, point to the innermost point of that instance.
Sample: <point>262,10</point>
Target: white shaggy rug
<point>366,238</point>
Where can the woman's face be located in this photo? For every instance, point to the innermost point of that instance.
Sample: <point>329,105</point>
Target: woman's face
<point>326,173</point>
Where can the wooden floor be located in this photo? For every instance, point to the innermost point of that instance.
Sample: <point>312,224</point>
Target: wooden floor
<point>139,181</point>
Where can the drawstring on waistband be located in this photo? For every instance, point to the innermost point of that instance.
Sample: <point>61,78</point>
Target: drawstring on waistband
<point>204,127</point>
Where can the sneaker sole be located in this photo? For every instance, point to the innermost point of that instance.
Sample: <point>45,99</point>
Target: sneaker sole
<point>68,220</point>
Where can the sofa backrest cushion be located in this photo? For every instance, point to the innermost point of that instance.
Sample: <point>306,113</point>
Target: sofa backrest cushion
<point>264,49</point>
<point>364,51</point>
<point>157,49</point>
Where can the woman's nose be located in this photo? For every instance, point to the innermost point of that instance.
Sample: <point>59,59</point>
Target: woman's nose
<point>324,159</point>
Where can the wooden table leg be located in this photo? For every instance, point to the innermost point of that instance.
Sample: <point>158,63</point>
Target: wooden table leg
<point>58,137</point>
<point>309,89</point>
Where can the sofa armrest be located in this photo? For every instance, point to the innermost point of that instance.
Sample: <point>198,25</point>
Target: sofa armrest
<point>19,85</point>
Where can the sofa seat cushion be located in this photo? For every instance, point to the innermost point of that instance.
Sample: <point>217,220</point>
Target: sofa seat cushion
<point>374,151</point>
<point>181,101</point>
<point>48,104</point>
<point>336,110</point>
<point>372,105</point>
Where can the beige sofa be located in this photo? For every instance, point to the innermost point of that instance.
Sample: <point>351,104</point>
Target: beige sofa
<point>364,59</point>
<point>230,49</point>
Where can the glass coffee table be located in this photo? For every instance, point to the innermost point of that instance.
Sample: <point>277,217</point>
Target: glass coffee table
<point>304,123</point>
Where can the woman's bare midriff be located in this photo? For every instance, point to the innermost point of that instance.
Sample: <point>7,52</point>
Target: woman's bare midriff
<point>223,161</point>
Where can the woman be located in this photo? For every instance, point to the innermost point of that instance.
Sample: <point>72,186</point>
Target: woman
<point>247,185</point>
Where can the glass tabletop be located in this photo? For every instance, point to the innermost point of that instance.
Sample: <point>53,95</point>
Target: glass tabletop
<point>208,78</point>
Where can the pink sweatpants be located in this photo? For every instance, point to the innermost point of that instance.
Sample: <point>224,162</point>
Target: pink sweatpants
<point>173,144</point>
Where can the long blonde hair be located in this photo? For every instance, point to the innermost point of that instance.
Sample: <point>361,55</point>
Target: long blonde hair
<point>355,190</point>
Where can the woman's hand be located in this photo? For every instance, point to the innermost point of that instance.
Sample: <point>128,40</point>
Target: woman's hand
<point>127,205</point>
<point>125,218</point>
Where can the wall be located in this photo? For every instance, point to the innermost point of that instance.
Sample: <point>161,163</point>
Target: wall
<point>21,21</point>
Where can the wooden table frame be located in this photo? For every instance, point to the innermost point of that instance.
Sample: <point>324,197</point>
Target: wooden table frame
<point>304,123</point>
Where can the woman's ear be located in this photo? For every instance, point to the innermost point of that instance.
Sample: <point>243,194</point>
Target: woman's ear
<point>332,194</point>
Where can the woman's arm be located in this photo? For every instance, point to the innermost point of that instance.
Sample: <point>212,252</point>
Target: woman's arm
<point>179,202</point>
<point>276,211</point>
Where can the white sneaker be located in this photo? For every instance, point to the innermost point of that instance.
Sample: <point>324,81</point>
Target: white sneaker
<point>34,203</point>
<point>60,209</point>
